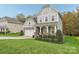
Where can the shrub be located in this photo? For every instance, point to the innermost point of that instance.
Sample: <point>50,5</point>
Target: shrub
<point>8,31</point>
<point>21,33</point>
<point>36,37</point>
<point>44,37</point>
<point>33,36</point>
<point>49,38</point>
<point>59,36</point>
<point>40,37</point>
<point>52,38</point>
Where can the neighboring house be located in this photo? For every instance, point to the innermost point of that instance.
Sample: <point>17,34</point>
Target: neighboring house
<point>47,21</point>
<point>8,24</point>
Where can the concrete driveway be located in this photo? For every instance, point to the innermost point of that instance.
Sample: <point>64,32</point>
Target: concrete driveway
<point>9,37</point>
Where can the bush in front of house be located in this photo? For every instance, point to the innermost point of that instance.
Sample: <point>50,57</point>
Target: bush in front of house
<point>53,38</point>
<point>8,31</point>
<point>21,33</point>
<point>44,37</point>
<point>59,37</point>
<point>38,37</point>
<point>48,38</point>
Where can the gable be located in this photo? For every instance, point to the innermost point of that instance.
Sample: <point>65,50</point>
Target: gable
<point>29,22</point>
<point>48,13</point>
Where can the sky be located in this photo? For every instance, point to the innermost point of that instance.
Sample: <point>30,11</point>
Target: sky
<point>12,10</point>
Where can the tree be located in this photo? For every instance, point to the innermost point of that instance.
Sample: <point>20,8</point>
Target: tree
<point>21,18</point>
<point>77,23</point>
<point>69,23</point>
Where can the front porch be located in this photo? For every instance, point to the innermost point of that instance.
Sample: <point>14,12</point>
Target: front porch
<point>48,28</point>
<point>3,29</point>
<point>45,30</point>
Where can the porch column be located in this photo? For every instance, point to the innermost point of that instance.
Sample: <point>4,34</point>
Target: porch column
<point>5,30</point>
<point>55,29</point>
<point>40,30</point>
<point>47,29</point>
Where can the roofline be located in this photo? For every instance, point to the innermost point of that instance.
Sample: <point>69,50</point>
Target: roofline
<point>45,7</point>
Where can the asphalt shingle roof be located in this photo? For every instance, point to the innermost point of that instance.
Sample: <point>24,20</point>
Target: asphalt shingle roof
<point>10,20</point>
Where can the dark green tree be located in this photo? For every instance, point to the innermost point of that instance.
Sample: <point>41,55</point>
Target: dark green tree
<point>59,36</point>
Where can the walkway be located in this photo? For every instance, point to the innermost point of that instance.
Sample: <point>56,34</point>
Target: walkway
<point>21,37</point>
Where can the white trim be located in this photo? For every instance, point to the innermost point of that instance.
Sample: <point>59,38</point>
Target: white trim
<point>47,29</point>
<point>40,30</point>
<point>55,29</point>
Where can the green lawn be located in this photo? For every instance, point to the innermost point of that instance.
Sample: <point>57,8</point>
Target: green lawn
<point>10,34</point>
<point>71,45</point>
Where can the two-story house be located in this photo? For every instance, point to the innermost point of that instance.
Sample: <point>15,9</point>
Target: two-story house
<point>8,24</point>
<point>47,21</point>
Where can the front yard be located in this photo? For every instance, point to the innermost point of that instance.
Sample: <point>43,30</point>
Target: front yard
<point>70,46</point>
<point>10,34</point>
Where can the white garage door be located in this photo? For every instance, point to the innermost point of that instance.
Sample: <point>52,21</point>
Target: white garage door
<point>29,32</point>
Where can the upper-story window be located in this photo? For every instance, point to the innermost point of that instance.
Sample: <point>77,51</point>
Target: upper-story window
<point>46,19</point>
<point>29,23</point>
<point>40,20</point>
<point>35,19</point>
<point>52,18</point>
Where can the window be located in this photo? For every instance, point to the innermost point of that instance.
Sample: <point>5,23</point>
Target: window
<point>46,19</point>
<point>35,19</point>
<point>40,20</point>
<point>29,23</point>
<point>52,18</point>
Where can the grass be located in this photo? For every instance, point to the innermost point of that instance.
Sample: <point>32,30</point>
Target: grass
<point>29,46</point>
<point>10,34</point>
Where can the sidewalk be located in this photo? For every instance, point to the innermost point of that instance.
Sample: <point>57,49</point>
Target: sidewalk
<point>21,37</point>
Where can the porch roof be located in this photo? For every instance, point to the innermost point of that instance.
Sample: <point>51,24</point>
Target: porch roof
<point>46,24</point>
